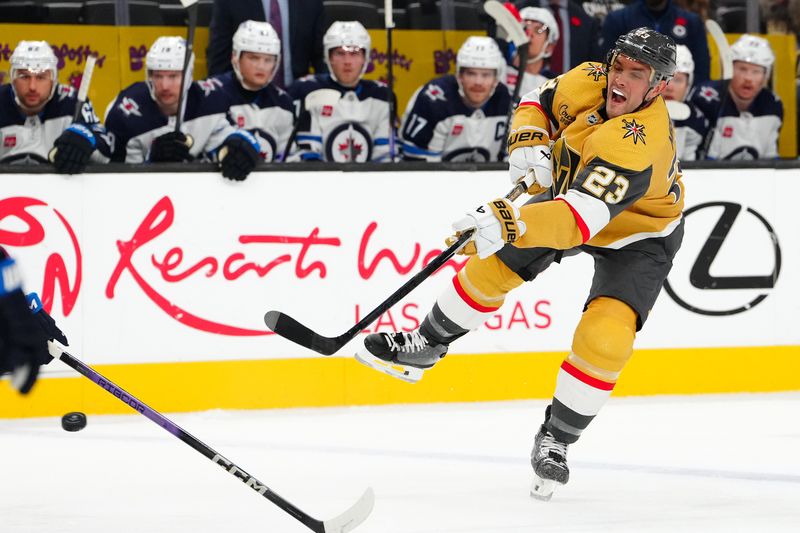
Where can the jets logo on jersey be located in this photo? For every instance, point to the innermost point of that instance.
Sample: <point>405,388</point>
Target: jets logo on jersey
<point>129,107</point>
<point>209,86</point>
<point>597,71</point>
<point>434,92</point>
<point>709,94</point>
<point>349,142</point>
<point>267,145</point>
<point>634,130</point>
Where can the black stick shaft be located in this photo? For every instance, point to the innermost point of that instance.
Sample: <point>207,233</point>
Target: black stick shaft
<point>390,88</point>
<point>191,12</point>
<point>177,431</point>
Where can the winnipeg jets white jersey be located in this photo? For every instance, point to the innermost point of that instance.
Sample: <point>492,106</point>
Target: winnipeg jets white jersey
<point>690,134</point>
<point>439,126</point>
<point>529,81</point>
<point>135,120</point>
<point>750,134</point>
<point>29,139</point>
<point>266,113</point>
<point>353,129</point>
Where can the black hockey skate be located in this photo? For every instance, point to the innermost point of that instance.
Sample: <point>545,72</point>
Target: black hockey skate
<point>402,355</point>
<point>549,461</point>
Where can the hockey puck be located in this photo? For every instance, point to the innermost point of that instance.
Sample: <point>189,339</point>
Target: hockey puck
<point>73,421</point>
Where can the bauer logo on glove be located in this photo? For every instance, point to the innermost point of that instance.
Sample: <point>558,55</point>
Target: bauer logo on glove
<point>490,231</point>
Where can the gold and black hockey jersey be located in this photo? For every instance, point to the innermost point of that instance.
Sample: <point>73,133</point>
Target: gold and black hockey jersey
<point>616,181</point>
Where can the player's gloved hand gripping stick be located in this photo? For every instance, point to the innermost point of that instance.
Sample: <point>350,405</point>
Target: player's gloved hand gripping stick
<point>291,329</point>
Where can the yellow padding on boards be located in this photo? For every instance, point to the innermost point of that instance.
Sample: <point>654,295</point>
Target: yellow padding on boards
<point>487,281</point>
<point>604,337</point>
<point>341,381</point>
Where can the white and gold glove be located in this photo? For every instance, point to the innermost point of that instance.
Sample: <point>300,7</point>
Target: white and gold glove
<point>533,165</point>
<point>496,224</point>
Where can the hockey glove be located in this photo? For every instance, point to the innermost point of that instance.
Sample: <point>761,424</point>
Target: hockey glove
<point>533,165</point>
<point>495,224</point>
<point>72,149</point>
<point>24,331</point>
<point>239,155</point>
<point>172,147</point>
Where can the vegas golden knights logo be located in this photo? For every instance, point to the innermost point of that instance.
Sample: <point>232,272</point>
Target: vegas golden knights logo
<point>565,165</point>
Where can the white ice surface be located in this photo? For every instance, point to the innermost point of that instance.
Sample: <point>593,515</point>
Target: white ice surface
<point>703,463</point>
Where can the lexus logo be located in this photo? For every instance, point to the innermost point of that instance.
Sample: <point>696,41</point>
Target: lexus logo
<point>718,295</point>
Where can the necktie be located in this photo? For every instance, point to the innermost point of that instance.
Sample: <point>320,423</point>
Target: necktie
<point>277,24</point>
<point>557,59</point>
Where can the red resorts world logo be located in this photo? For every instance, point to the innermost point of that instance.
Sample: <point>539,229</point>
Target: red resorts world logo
<point>28,224</point>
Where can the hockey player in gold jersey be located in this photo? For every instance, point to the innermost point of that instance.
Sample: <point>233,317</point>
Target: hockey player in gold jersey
<point>596,146</point>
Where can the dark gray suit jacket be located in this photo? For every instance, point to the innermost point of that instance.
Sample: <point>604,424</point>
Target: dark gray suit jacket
<point>305,33</point>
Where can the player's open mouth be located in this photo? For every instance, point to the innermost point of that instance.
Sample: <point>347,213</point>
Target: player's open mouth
<point>617,97</point>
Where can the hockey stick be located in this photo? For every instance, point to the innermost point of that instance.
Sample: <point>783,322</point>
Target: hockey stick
<point>318,98</point>
<point>289,328</point>
<point>677,110</point>
<point>514,34</point>
<point>191,12</point>
<point>389,23</point>
<point>726,64</point>
<point>346,521</point>
<point>723,48</point>
<point>83,90</point>
<point>83,95</point>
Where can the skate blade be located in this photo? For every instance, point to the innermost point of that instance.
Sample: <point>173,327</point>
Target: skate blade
<point>542,489</point>
<point>405,373</point>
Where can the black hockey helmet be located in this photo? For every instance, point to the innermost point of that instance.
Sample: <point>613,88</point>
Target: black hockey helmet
<point>648,46</point>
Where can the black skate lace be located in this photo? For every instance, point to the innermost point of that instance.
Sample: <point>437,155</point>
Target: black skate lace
<point>553,448</point>
<point>411,342</point>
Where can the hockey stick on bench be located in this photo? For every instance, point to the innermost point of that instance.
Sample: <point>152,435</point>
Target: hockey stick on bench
<point>289,328</point>
<point>343,523</point>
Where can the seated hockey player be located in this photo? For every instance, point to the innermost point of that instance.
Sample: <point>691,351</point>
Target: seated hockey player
<point>618,197</point>
<point>143,116</point>
<point>542,30</point>
<point>256,104</point>
<point>691,125</point>
<point>25,328</point>
<point>344,118</point>
<point>746,119</point>
<point>460,117</point>
<point>36,116</point>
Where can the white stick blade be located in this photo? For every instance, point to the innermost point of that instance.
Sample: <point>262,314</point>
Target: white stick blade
<point>188,3</point>
<point>724,49</point>
<point>353,517</point>
<point>504,19</point>
<point>388,14</point>
<point>678,110</point>
<point>86,79</point>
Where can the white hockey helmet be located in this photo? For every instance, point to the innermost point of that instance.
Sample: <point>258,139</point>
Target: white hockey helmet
<point>753,49</point>
<point>481,52</point>
<point>684,62</point>
<point>258,37</point>
<point>36,57</point>
<point>167,53</point>
<point>350,35</point>
<point>545,16</point>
